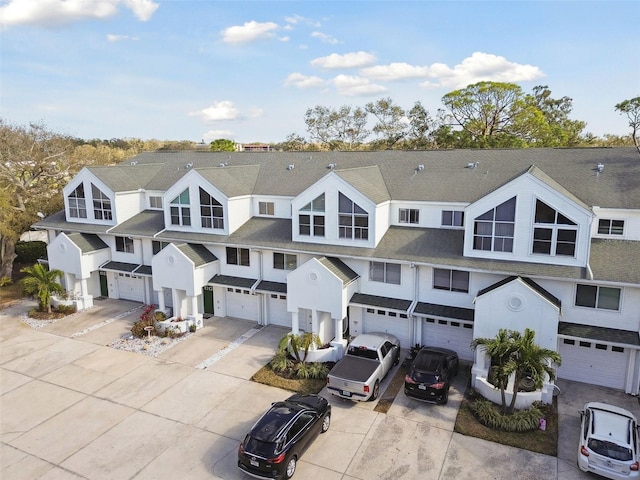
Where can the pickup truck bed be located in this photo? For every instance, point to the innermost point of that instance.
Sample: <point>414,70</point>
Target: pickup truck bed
<point>355,369</point>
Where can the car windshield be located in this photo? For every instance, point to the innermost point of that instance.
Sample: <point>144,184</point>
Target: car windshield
<point>610,449</point>
<point>363,352</point>
<point>260,448</point>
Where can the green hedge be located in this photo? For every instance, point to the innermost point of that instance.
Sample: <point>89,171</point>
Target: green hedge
<point>490,415</point>
<point>30,252</point>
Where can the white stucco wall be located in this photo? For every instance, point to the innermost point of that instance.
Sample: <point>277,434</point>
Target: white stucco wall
<point>314,287</point>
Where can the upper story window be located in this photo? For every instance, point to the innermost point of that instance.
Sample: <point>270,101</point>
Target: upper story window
<point>238,256</point>
<point>353,220</point>
<point>384,272</point>
<point>156,246</point>
<point>155,202</point>
<point>211,211</point>
<point>451,280</point>
<point>285,261</point>
<point>610,227</point>
<point>311,222</point>
<point>266,208</point>
<point>593,296</point>
<point>101,204</point>
<point>180,209</point>
<point>452,218</point>
<point>124,244</point>
<point>553,233</point>
<point>493,230</point>
<point>77,203</point>
<point>409,215</point>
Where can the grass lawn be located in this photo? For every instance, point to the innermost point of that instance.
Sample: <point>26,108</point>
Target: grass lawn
<point>268,377</point>
<point>536,441</point>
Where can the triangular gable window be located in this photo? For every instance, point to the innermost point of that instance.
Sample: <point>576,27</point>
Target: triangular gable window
<point>101,204</point>
<point>77,203</point>
<point>180,209</point>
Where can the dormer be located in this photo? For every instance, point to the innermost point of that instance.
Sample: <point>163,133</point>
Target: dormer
<point>345,207</point>
<point>214,200</point>
<point>88,200</point>
<point>530,219</point>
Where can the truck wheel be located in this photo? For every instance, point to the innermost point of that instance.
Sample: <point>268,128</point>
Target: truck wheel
<point>376,391</point>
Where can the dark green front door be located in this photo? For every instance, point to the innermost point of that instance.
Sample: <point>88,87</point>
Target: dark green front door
<point>207,297</point>
<point>104,286</point>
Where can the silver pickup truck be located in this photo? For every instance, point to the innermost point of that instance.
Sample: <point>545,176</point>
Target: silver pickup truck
<point>369,357</point>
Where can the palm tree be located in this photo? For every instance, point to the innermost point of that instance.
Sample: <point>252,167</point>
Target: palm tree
<point>42,283</point>
<point>295,343</point>
<point>531,360</point>
<point>515,354</point>
<point>500,350</point>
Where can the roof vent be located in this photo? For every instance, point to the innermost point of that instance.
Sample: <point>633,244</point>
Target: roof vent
<point>472,165</point>
<point>331,166</point>
<point>290,166</point>
<point>600,167</point>
<point>420,167</point>
<point>189,165</point>
<point>134,162</point>
<point>222,165</point>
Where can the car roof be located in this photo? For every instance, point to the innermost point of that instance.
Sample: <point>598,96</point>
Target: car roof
<point>610,422</point>
<point>270,426</point>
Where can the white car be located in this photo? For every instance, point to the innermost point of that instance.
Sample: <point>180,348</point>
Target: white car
<point>609,442</point>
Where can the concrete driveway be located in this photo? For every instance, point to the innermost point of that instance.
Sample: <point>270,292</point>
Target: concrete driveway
<point>72,408</point>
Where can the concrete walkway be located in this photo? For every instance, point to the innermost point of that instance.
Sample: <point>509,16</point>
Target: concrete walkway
<point>72,408</point>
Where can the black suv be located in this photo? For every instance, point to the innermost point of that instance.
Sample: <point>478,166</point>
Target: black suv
<point>430,375</point>
<point>274,444</point>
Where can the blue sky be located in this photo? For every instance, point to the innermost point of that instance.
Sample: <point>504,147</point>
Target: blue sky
<point>248,71</point>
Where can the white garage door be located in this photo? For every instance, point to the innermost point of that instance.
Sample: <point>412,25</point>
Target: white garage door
<point>594,363</point>
<point>131,287</point>
<point>454,335</point>
<point>390,322</point>
<point>241,304</point>
<point>277,310</point>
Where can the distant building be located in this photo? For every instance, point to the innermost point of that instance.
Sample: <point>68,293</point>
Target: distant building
<point>254,147</point>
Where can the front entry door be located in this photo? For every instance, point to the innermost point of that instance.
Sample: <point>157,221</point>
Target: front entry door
<point>104,285</point>
<point>207,297</point>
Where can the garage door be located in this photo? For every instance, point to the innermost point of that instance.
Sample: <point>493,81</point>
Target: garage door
<point>131,287</point>
<point>594,363</point>
<point>451,334</point>
<point>397,324</point>
<point>241,304</point>
<point>277,310</point>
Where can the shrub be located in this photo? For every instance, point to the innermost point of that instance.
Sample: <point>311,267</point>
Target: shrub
<point>489,414</point>
<point>4,281</point>
<point>30,252</point>
<point>66,309</point>
<point>281,362</point>
<point>318,370</point>
<point>146,320</point>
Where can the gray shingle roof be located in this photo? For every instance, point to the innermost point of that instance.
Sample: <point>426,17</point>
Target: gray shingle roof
<point>339,269</point>
<point>533,285</point>
<point>274,287</point>
<point>120,266</point>
<point>382,302</point>
<point>145,224</point>
<point>444,311</point>
<point>57,221</point>
<point>444,177</point>
<point>230,281</point>
<point>87,242</point>
<point>198,254</point>
<point>615,260</point>
<point>603,334</point>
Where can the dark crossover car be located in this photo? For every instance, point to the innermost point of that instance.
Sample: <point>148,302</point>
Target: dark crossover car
<point>430,374</point>
<point>276,441</point>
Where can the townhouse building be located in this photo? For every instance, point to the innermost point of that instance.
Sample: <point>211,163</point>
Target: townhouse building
<point>436,247</point>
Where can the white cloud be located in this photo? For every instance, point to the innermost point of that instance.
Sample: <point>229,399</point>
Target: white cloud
<point>395,71</point>
<point>60,12</point>
<point>117,38</point>
<point>249,32</point>
<point>212,135</point>
<point>351,86</point>
<point>304,81</point>
<point>480,67</point>
<point>224,110</point>
<point>348,60</point>
<point>324,38</point>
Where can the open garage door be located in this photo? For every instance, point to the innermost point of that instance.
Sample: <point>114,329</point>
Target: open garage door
<point>596,363</point>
